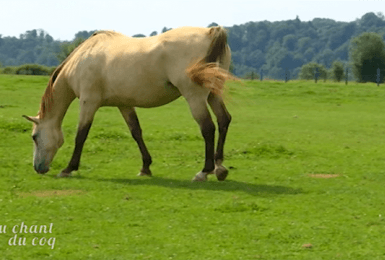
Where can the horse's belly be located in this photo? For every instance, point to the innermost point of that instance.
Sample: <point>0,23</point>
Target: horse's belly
<point>145,96</point>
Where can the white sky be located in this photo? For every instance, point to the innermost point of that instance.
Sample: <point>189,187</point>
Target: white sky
<point>62,19</point>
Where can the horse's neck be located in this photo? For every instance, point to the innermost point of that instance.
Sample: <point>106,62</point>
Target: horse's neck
<point>62,97</point>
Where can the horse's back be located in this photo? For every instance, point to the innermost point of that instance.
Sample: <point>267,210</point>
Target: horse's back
<point>120,70</point>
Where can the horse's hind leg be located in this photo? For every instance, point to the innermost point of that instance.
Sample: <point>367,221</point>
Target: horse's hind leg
<point>201,114</point>
<point>132,121</point>
<point>224,118</point>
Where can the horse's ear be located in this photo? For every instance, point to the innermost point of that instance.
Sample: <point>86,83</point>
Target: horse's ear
<point>32,119</point>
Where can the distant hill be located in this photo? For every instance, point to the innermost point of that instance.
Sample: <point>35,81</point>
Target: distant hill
<point>270,46</point>
<point>276,46</point>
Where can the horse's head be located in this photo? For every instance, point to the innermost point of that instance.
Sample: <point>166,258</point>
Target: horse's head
<point>47,138</point>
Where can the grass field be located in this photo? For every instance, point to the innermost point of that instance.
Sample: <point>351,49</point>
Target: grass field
<point>306,181</point>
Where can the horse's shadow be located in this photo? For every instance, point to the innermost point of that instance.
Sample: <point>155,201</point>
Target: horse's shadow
<point>228,185</point>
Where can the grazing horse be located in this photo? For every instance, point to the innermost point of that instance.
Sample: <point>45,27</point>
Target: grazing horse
<point>111,69</point>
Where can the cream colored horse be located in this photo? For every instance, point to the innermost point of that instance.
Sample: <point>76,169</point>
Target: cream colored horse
<point>111,69</point>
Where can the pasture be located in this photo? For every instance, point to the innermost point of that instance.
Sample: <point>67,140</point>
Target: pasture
<point>306,180</point>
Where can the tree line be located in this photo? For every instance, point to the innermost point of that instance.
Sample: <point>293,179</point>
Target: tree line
<point>273,48</point>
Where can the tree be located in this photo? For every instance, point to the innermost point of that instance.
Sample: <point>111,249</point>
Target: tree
<point>231,68</point>
<point>309,54</point>
<point>288,61</point>
<point>84,34</point>
<point>165,29</point>
<point>367,53</point>
<point>27,56</point>
<point>337,71</point>
<point>139,35</point>
<point>326,58</point>
<point>67,48</point>
<point>48,38</point>
<point>380,15</point>
<point>289,41</point>
<point>153,33</point>
<point>370,19</point>
<point>212,24</point>
<point>308,70</point>
<point>341,35</point>
<point>342,53</point>
<point>304,43</point>
<point>254,59</point>
<point>251,75</point>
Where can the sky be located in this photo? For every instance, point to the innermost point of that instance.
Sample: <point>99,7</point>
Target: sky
<point>63,19</point>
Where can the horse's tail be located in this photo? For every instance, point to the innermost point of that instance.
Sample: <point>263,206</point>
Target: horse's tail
<point>206,72</point>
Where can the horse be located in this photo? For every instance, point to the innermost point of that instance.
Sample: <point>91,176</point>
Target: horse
<point>111,69</point>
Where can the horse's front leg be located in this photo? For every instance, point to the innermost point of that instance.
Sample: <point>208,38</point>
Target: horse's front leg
<point>87,112</point>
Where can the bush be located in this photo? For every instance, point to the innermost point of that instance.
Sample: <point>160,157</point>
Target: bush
<point>8,70</point>
<point>28,69</point>
<point>33,69</point>
<point>308,70</point>
<point>51,70</point>
<point>251,75</point>
<point>337,70</point>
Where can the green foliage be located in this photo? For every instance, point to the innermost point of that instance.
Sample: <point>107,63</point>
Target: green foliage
<point>28,69</point>
<point>337,71</point>
<point>290,44</point>
<point>367,52</point>
<point>67,48</point>
<point>165,29</point>
<point>231,69</point>
<point>33,69</point>
<point>139,35</point>
<point>35,46</point>
<point>9,70</point>
<point>84,34</point>
<point>326,57</point>
<point>271,46</point>
<point>212,24</point>
<point>251,75</point>
<point>308,71</point>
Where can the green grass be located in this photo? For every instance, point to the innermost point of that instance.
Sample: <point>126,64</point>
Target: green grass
<point>270,207</point>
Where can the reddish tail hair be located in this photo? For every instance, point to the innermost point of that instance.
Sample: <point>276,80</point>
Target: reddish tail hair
<point>206,72</point>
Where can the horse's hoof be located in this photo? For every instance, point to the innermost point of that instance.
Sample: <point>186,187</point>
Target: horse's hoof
<point>221,172</point>
<point>63,175</point>
<point>200,176</point>
<point>142,173</point>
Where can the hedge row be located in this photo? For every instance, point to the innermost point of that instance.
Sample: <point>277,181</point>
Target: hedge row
<point>28,69</point>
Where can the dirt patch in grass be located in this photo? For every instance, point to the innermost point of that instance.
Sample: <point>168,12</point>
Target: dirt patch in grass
<point>51,193</point>
<point>323,176</point>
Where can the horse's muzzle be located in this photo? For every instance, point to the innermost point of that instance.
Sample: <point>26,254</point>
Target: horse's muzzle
<point>41,169</point>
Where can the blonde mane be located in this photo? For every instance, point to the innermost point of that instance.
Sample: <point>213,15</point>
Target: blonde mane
<point>47,100</point>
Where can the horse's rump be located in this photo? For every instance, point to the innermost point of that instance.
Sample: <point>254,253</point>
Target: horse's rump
<point>212,71</point>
